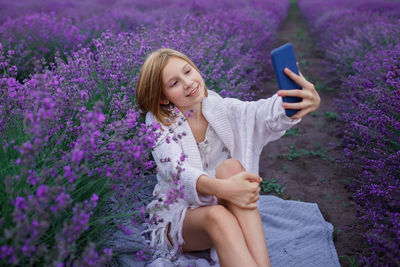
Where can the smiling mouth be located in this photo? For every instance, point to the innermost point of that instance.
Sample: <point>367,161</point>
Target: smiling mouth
<point>193,92</point>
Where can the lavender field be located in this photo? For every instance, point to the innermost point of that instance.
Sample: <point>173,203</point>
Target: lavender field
<point>71,133</point>
<point>72,137</point>
<point>361,40</point>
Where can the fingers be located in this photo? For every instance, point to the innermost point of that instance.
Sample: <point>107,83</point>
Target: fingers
<point>301,93</point>
<point>256,189</point>
<point>255,197</point>
<point>296,78</point>
<point>299,105</point>
<point>257,194</point>
<point>306,92</point>
<point>298,67</point>
<point>300,114</point>
<point>251,177</point>
<point>250,203</point>
<point>293,92</point>
<point>253,203</point>
<point>310,99</point>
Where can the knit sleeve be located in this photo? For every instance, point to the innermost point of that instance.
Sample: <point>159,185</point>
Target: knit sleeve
<point>172,165</point>
<point>265,120</point>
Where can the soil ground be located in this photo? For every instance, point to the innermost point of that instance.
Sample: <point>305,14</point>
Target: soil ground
<point>304,161</point>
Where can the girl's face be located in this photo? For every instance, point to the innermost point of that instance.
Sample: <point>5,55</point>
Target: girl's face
<point>183,85</point>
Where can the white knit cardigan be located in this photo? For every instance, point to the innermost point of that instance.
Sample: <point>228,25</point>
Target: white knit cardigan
<point>244,127</point>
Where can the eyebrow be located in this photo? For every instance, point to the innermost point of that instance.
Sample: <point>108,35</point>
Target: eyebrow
<point>182,69</point>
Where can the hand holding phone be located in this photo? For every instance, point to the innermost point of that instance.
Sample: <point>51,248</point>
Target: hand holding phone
<point>284,57</point>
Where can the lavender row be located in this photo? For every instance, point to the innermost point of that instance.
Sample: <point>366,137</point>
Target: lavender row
<point>71,134</point>
<point>362,41</point>
<point>67,26</point>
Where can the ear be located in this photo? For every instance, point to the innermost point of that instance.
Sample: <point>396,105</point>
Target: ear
<point>164,100</point>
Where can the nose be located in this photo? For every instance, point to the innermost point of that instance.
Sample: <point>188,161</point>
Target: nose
<point>188,83</point>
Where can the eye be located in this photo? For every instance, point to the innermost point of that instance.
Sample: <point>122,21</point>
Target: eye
<point>173,84</point>
<point>188,71</point>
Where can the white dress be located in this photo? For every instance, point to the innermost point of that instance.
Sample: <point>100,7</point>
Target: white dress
<point>243,127</point>
<point>212,153</point>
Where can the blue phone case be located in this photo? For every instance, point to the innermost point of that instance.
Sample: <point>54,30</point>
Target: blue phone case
<point>284,57</point>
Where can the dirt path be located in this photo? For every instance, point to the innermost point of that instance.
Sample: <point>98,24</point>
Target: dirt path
<point>303,161</point>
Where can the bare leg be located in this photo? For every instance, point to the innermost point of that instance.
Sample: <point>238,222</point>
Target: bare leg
<point>249,220</point>
<point>204,227</point>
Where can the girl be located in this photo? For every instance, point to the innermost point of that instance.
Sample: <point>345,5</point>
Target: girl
<point>220,141</point>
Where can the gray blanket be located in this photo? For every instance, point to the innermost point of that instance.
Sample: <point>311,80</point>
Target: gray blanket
<point>297,235</point>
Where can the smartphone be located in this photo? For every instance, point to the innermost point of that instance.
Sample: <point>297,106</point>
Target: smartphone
<point>284,57</point>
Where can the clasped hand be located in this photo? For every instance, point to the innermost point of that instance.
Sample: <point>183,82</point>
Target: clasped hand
<point>310,98</point>
<point>242,190</point>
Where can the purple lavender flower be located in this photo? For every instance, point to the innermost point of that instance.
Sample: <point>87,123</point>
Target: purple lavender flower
<point>361,38</point>
<point>20,203</point>
<point>79,135</point>
<point>41,192</point>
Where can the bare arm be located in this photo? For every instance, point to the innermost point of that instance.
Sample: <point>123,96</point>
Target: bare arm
<point>207,186</point>
<point>240,189</point>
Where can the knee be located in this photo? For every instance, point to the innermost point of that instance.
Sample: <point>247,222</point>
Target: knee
<point>228,168</point>
<point>220,220</point>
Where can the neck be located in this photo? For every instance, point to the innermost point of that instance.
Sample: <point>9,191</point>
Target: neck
<point>194,114</point>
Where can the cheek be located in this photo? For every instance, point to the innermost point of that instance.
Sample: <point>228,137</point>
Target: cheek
<point>174,95</point>
<point>201,80</point>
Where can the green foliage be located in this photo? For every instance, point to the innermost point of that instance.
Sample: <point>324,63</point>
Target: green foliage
<point>322,87</point>
<point>336,232</point>
<point>347,181</point>
<point>320,124</point>
<point>292,132</point>
<point>351,262</point>
<point>293,154</point>
<point>271,185</point>
<point>320,152</point>
<point>331,116</point>
<point>286,169</point>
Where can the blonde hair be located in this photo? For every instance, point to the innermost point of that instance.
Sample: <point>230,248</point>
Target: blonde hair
<point>150,84</point>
